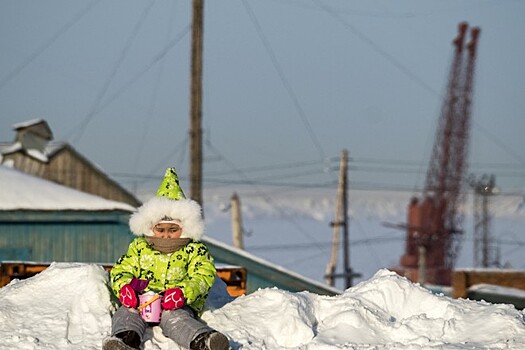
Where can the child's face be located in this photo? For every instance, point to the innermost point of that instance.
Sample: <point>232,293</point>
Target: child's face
<point>167,230</point>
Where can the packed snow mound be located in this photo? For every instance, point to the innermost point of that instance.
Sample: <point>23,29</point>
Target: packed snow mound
<point>385,312</point>
<point>69,306</point>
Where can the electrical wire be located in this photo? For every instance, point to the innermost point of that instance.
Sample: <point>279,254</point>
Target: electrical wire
<point>262,194</point>
<point>146,68</point>
<point>300,246</point>
<point>48,43</point>
<point>284,80</point>
<point>149,119</point>
<point>377,48</point>
<point>80,130</point>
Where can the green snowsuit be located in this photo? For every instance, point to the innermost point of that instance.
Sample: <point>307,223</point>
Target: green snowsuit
<point>190,268</point>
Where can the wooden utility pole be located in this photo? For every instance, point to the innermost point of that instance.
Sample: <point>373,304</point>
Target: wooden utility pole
<point>196,102</point>
<point>332,264</point>
<point>341,220</point>
<point>237,233</point>
<point>346,249</point>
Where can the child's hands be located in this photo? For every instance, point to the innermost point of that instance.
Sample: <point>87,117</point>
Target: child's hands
<point>128,297</point>
<point>173,299</point>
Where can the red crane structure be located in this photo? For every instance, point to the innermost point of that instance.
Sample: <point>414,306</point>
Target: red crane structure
<point>434,223</point>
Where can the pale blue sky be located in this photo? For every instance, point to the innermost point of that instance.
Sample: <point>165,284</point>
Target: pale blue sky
<point>288,84</point>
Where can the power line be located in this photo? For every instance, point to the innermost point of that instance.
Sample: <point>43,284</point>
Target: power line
<point>280,166</point>
<point>377,48</point>
<point>503,146</point>
<point>300,246</point>
<point>269,183</point>
<point>284,80</point>
<point>263,195</point>
<point>48,43</point>
<point>146,68</point>
<point>83,125</point>
<point>148,121</point>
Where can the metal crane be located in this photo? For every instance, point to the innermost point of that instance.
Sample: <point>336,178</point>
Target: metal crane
<point>434,223</point>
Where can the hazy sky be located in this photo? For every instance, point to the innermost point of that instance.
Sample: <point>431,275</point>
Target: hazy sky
<point>288,84</point>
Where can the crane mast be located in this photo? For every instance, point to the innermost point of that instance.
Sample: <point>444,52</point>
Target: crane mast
<point>434,222</point>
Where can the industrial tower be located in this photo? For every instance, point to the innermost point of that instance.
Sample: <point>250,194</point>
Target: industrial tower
<point>434,223</point>
<point>485,250</point>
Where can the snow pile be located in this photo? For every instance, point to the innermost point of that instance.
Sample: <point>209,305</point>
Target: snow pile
<point>68,306</point>
<point>385,312</point>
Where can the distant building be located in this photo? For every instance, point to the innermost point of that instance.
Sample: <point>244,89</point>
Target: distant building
<point>34,152</point>
<point>44,221</point>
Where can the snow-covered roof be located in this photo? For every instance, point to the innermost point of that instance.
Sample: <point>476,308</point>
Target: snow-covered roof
<point>498,290</point>
<point>49,151</point>
<point>17,146</point>
<point>270,265</point>
<point>21,191</point>
<point>28,123</point>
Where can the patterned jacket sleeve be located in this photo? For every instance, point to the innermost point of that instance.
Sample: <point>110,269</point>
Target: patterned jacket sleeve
<point>201,275</point>
<point>126,267</point>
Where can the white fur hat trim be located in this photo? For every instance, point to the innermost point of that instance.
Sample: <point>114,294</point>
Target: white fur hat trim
<point>187,211</point>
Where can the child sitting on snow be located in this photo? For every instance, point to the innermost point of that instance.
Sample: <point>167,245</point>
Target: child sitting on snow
<point>169,259</point>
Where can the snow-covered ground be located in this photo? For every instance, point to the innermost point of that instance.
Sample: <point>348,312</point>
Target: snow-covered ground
<point>69,306</point>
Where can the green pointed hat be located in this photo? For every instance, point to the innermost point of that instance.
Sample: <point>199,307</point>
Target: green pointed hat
<point>169,204</point>
<point>169,187</point>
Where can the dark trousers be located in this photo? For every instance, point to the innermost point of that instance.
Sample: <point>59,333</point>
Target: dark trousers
<point>179,325</point>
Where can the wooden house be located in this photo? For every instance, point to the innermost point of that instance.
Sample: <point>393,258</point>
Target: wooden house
<point>44,221</point>
<point>34,152</point>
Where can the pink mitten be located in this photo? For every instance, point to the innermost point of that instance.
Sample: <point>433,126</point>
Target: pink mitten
<point>173,299</point>
<point>128,297</point>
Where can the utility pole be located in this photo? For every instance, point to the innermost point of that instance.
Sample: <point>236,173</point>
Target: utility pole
<point>341,221</point>
<point>196,102</point>
<point>346,249</point>
<point>237,233</point>
<point>331,266</point>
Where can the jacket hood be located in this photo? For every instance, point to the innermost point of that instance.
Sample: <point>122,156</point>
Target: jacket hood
<point>156,209</point>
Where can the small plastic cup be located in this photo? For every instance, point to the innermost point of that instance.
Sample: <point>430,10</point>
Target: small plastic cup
<point>152,311</point>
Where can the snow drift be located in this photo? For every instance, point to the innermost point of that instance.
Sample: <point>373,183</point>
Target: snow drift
<point>69,306</point>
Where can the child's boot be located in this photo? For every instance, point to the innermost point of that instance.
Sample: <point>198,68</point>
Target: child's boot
<point>212,340</point>
<point>128,340</point>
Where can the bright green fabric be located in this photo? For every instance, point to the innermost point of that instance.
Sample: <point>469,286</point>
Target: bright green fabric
<point>190,268</point>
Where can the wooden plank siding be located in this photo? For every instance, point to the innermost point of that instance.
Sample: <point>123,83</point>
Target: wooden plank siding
<point>69,168</point>
<point>97,237</point>
<point>26,164</point>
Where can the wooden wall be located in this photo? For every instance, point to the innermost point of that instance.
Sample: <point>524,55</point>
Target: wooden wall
<point>69,236</point>
<point>69,168</point>
<point>462,280</point>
